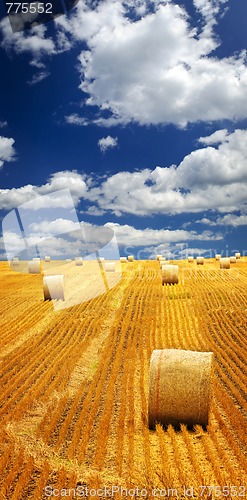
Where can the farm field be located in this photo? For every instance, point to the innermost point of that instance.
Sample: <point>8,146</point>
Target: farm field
<point>74,386</point>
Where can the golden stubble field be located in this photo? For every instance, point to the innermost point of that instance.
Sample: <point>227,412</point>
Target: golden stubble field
<point>74,387</point>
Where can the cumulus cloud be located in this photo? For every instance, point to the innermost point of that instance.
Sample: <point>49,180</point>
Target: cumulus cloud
<point>7,151</point>
<point>210,178</point>
<point>107,143</point>
<point>75,119</point>
<point>218,136</point>
<point>76,183</point>
<point>156,68</point>
<point>3,124</point>
<point>227,220</point>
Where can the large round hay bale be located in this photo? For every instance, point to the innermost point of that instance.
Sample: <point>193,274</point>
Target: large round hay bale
<point>224,263</point>
<point>237,255</point>
<point>130,258</point>
<point>190,258</point>
<point>47,258</point>
<point>123,259</point>
<point>33,267</point>
<point>15,261</point>
<point>53,287</point>
<point>101,259</point>
<point>158,256</point>
<point>200,260</point>
<point>179,387</point>
<point>162,262</point>
<point>218,256</point>
<point>110,266</point>
<point>233,259</point>
<point>78,261</point>
<point>169,274</point>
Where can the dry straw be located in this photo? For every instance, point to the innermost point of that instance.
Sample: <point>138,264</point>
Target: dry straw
<point>224,263</point>
<point>47,258</point>
<point>33,267</point>
<point>110,266</point>
<point>179,387</point>
<point>130,258</point>
<point>233,259</point>
<point>200,260</point>
<point>218,256</point>
<point>53,287</point>
<point>169,274</point>
<point>237,255</point>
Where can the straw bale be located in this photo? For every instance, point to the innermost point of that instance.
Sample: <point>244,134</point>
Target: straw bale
<point>123,259</point>
<point>224,263</point>
<point>110,266</point>
<point>162,262</point>
<point>233,259</point>
<point>33,267</point>
<point>179,387</point>
<point>237,255</point>
<point>53,287</point>
<point>190,258</point>
<point>130,258</point>
<point>169,274</point>
<point>68,260</point>
<point>78,261</point>
<point>218,256</point>
<point>47,258</point>
<point>158,256</point>
<point>200,260</point>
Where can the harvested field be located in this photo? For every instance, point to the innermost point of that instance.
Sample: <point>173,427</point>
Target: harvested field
<point>74,384</point>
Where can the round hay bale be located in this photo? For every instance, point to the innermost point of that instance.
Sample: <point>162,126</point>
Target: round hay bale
<point>200,260</point>
<point>169,274</point>
<point>78,261</point>
<point>33,267</point>
<point>53,287</point>
<point>218,256</point>
<point>36,259</point>
<point>179,387</point>
<point>190,258</point>
<point>101,259</point>
<point>158,256</point>
<point>224,263</point>
<point>47,258</point>
<point>123,259</point>
<point>110,266</point>
<point>15,261</point>
<point>162,262</point>
<point>233,259</point>
<point>68,260</point>
<point>237,255</point>
<point>130,258</point>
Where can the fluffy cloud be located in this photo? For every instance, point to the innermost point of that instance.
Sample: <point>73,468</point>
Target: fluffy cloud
<point>156,68</point>
<point>77,183</point>
<point>7,152</point>
<point>227,220</point>
<point>107,143</point>
<point>210,178</point>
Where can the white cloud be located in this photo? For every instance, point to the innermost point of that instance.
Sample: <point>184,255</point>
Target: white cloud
<point>129,235</point>
<point>107,143</point>
<point>38,77</point>
<point>157,69</point>
<point>7,151</point>
<point>227,220</point>
<point>207,179</point>
<point>75,119</point>
<point>218,136</point>
<point>210,178</point>
<point>77,183</point>
<point>3,124</point>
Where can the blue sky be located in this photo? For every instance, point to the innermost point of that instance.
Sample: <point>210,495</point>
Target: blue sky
<point>140,109</point>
